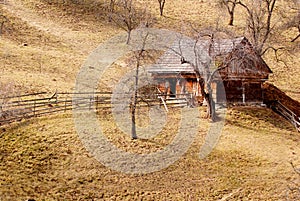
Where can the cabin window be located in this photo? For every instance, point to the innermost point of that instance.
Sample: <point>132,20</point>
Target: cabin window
<point>221,94</point>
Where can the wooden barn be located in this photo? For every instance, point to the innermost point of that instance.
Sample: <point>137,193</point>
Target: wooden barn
<point>242,73</point>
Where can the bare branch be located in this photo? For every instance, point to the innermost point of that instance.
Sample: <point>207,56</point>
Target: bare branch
<point>128,17</point>
<point>138,57</point>
<point>297,170</point>
<point>259,18</point>
<point>296,38</point>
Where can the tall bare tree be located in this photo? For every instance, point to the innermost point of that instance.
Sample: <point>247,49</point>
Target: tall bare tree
<point>202,68</point>
<point>128,15</point>
<point>161,6</point>
<point>230,5</point>
<point>292,18</point>
<point>139,56</point>
<point>259,22</point>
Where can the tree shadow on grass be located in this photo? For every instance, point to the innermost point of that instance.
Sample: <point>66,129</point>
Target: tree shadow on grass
<point>257,118</point>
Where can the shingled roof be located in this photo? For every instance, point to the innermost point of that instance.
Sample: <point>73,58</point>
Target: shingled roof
<point>171,63</point>
<point>238,54</point>
<point>243,61</point>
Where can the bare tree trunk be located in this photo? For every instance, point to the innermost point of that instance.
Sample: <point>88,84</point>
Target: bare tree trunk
<point>161,6</point>
<point>231,12</point>
<point>231,18</point>
<point>134,102</point>
<point>210,112</point>
<point>211,109</point>
<point>3,19</point>
<point>230,6</point>
<point>133,126</point>
<point>138,58</point>
<point>111,9</point>
<point>1,28</point>
<point>128,36</point>
<point>295,38</point>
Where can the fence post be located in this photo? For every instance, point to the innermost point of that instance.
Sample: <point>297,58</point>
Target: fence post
<point>97,101</point>
<point>56,97</point>
<point>90,106</point>
<point>49,105</point>
<point>34,103</point>
<point>65,104</point>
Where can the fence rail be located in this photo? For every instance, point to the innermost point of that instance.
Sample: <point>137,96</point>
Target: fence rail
<point>289,115</point>
<point>32,105</point>
<point>16,108</point>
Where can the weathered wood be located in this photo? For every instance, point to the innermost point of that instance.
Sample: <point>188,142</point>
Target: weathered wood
<point>164,103</point>
<point>289,115</point>
<point>21,109</point>
<point>23,95</point>
<point>239,66</point>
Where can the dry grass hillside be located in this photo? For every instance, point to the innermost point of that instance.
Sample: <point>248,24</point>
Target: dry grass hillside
<point>42,47</point>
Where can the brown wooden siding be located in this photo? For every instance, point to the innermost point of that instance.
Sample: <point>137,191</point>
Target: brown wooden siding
<point>253,92</point>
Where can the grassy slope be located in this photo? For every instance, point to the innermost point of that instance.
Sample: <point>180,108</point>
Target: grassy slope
<point>43,158</point>
<point>56,49</point>
<point>60,38</point>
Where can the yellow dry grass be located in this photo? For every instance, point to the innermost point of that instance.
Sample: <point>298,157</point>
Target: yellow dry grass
<point>44,159</point>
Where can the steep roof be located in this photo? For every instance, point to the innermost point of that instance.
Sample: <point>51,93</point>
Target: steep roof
<point>243,61</point>
<point>236,54</point>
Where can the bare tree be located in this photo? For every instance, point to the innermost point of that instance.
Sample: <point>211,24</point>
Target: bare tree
<point>127,16</point>
<point>259,22</point>
<point>3,20</point>
<point>111,9</point>
<point>202,68</point>
<point>292,18</point>
<point>161,6</point>
<point>204,79</point>
<point>139,56</point>
<point>230,5</point>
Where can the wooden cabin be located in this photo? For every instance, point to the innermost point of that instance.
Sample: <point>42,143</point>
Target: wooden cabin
<point>240,79</point>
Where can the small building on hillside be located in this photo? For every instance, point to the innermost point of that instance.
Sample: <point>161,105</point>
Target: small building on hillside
<point>242,72</point>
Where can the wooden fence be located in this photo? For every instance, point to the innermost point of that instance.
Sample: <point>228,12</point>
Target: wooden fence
<point>20,107</point>
<point>289,115</point>
<point>26,106</point>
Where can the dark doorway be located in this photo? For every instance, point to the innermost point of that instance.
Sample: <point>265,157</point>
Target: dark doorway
<point>221,94</point>
<point>172,88</point>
